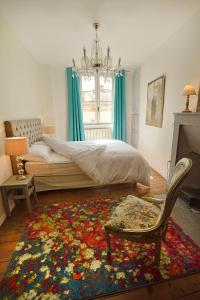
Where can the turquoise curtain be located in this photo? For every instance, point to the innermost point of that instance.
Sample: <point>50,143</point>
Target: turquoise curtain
<point>75,115</point>
<point>119,123</point>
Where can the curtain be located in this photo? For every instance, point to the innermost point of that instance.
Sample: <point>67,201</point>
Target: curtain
<point>119,124</point>
<point>75,115</point>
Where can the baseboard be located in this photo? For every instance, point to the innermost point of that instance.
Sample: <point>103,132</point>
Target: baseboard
<point>3,216</point>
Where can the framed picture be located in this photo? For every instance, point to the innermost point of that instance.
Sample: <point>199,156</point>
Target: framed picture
<point>198,101</point>
<point>155,102</point>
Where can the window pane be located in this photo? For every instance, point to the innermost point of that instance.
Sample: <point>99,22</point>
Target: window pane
<point>88,100</point>
<point>106,101</point>
<point>88,85</point>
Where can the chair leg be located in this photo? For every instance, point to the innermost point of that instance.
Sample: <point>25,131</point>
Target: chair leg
<point>158,251</point>
<point>164,234</point>
<point>108,242</point>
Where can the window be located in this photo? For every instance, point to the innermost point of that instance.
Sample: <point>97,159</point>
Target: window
<point>97,100</point>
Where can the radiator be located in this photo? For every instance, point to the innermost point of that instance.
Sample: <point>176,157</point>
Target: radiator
<point>96,133</point>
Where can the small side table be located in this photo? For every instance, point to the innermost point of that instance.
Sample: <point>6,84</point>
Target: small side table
<point>27,187</point>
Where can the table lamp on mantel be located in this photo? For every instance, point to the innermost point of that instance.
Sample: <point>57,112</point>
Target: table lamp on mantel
<point>17,146</point>
<point>188,91</point>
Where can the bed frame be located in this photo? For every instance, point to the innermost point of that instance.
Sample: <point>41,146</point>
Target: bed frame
<point>32,129</point>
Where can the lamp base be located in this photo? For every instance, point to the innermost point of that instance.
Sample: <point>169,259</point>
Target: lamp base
<point>20,170</point>
<point>187,111</point>
<point>187,105</point>
<point>20,177</point>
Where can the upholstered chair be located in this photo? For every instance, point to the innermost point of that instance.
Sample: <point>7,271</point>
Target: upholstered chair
<point>144,220</point>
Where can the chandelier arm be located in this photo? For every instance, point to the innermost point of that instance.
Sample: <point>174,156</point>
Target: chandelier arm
<point>84,51</point>
<point>96,33</point>
<point>108,51</point>
<point>74,64</point>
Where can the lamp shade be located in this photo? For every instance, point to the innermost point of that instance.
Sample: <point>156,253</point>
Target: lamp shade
<point>49,129</point>
<point>16,145</point>
<point>188,90</point>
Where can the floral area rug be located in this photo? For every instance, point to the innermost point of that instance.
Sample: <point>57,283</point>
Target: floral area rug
<point>62,255</point>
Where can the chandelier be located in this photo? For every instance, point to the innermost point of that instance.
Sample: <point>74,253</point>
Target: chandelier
<point>97,63</point>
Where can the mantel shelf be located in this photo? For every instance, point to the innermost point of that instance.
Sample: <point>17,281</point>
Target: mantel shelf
<point>187,114</point>
<point>190,119</point>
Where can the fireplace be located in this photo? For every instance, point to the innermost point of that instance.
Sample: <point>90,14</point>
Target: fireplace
<point>186,143</point>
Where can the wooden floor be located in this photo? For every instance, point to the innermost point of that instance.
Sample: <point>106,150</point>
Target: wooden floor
<point>187,288</point>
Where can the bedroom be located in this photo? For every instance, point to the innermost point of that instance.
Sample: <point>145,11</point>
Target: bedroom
<point>155,38</point>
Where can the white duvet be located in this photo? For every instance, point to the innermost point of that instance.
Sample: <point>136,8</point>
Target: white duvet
<point>104,161</point>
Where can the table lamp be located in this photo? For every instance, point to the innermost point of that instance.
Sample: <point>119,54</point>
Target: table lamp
<point>188,91</point>
<point>49,129</point>
<point>17,146</point>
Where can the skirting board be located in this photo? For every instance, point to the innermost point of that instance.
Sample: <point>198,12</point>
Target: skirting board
<point>3,216</point>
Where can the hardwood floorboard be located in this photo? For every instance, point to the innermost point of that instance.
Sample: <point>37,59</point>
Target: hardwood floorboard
<point>169,290</point>
<point>3,268</point>
<point>6,249</point>
<point>186,288</point>
<point>9,237</point>
<point>194,296</point>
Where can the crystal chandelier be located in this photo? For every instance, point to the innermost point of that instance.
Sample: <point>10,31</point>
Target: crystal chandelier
<point>97,63</point>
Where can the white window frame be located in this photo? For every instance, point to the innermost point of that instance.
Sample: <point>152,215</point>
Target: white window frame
<point>99,124</point>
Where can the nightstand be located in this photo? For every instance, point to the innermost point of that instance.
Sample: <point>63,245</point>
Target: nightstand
<point>26,187</point>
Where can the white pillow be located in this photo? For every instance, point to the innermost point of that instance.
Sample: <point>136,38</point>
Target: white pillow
<point>40,143</point>
<point>38,152</point>
<point>61,147</point>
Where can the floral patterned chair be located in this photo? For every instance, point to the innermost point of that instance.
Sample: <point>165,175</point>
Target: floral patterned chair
<point>145,220</point>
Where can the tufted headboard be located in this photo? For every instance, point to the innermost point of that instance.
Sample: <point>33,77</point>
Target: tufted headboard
<point>31,128</point>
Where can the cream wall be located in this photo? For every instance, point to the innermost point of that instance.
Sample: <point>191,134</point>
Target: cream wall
<point>23,90</point>
<point>59,96</point>
<point>46,95</point>
<point>179,60</point>
<point>129,108</point>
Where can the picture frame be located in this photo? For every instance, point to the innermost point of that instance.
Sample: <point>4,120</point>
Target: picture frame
<point>198,102</point>
<point>155,102</point>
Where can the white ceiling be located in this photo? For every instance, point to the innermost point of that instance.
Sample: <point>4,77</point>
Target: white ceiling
<point>56,30</point>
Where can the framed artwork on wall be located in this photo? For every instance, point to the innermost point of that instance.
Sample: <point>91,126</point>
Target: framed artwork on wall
<point>155,102</point>
<point>198,101</point>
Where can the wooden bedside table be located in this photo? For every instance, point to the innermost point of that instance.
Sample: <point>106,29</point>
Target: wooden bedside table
<point>27,186</point>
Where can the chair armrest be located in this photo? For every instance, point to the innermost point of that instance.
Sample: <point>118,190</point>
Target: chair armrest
<point>153,200</point>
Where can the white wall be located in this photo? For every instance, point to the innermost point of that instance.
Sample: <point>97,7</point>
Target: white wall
<point>129,101</point>
<point>23,85</point>
<point>59,95</point>
<point>46,93</point>
<point>179,60</point>
<point>135,107</point>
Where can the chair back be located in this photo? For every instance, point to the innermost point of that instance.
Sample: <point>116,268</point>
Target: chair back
<point>181,170</point>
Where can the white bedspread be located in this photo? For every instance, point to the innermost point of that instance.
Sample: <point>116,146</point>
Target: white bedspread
<point>104,161</point>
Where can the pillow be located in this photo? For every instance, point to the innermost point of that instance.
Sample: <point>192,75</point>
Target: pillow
<point>38,152</point>
<point>61,147</point>
<point>39,143</point>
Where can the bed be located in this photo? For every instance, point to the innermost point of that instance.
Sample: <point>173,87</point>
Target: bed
<point>60,171</point>
<point>57,175</point>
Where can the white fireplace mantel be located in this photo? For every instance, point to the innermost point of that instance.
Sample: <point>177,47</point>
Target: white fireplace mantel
<point>186,119</point>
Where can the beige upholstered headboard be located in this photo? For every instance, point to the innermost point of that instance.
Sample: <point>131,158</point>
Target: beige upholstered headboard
<point>31,128</point>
